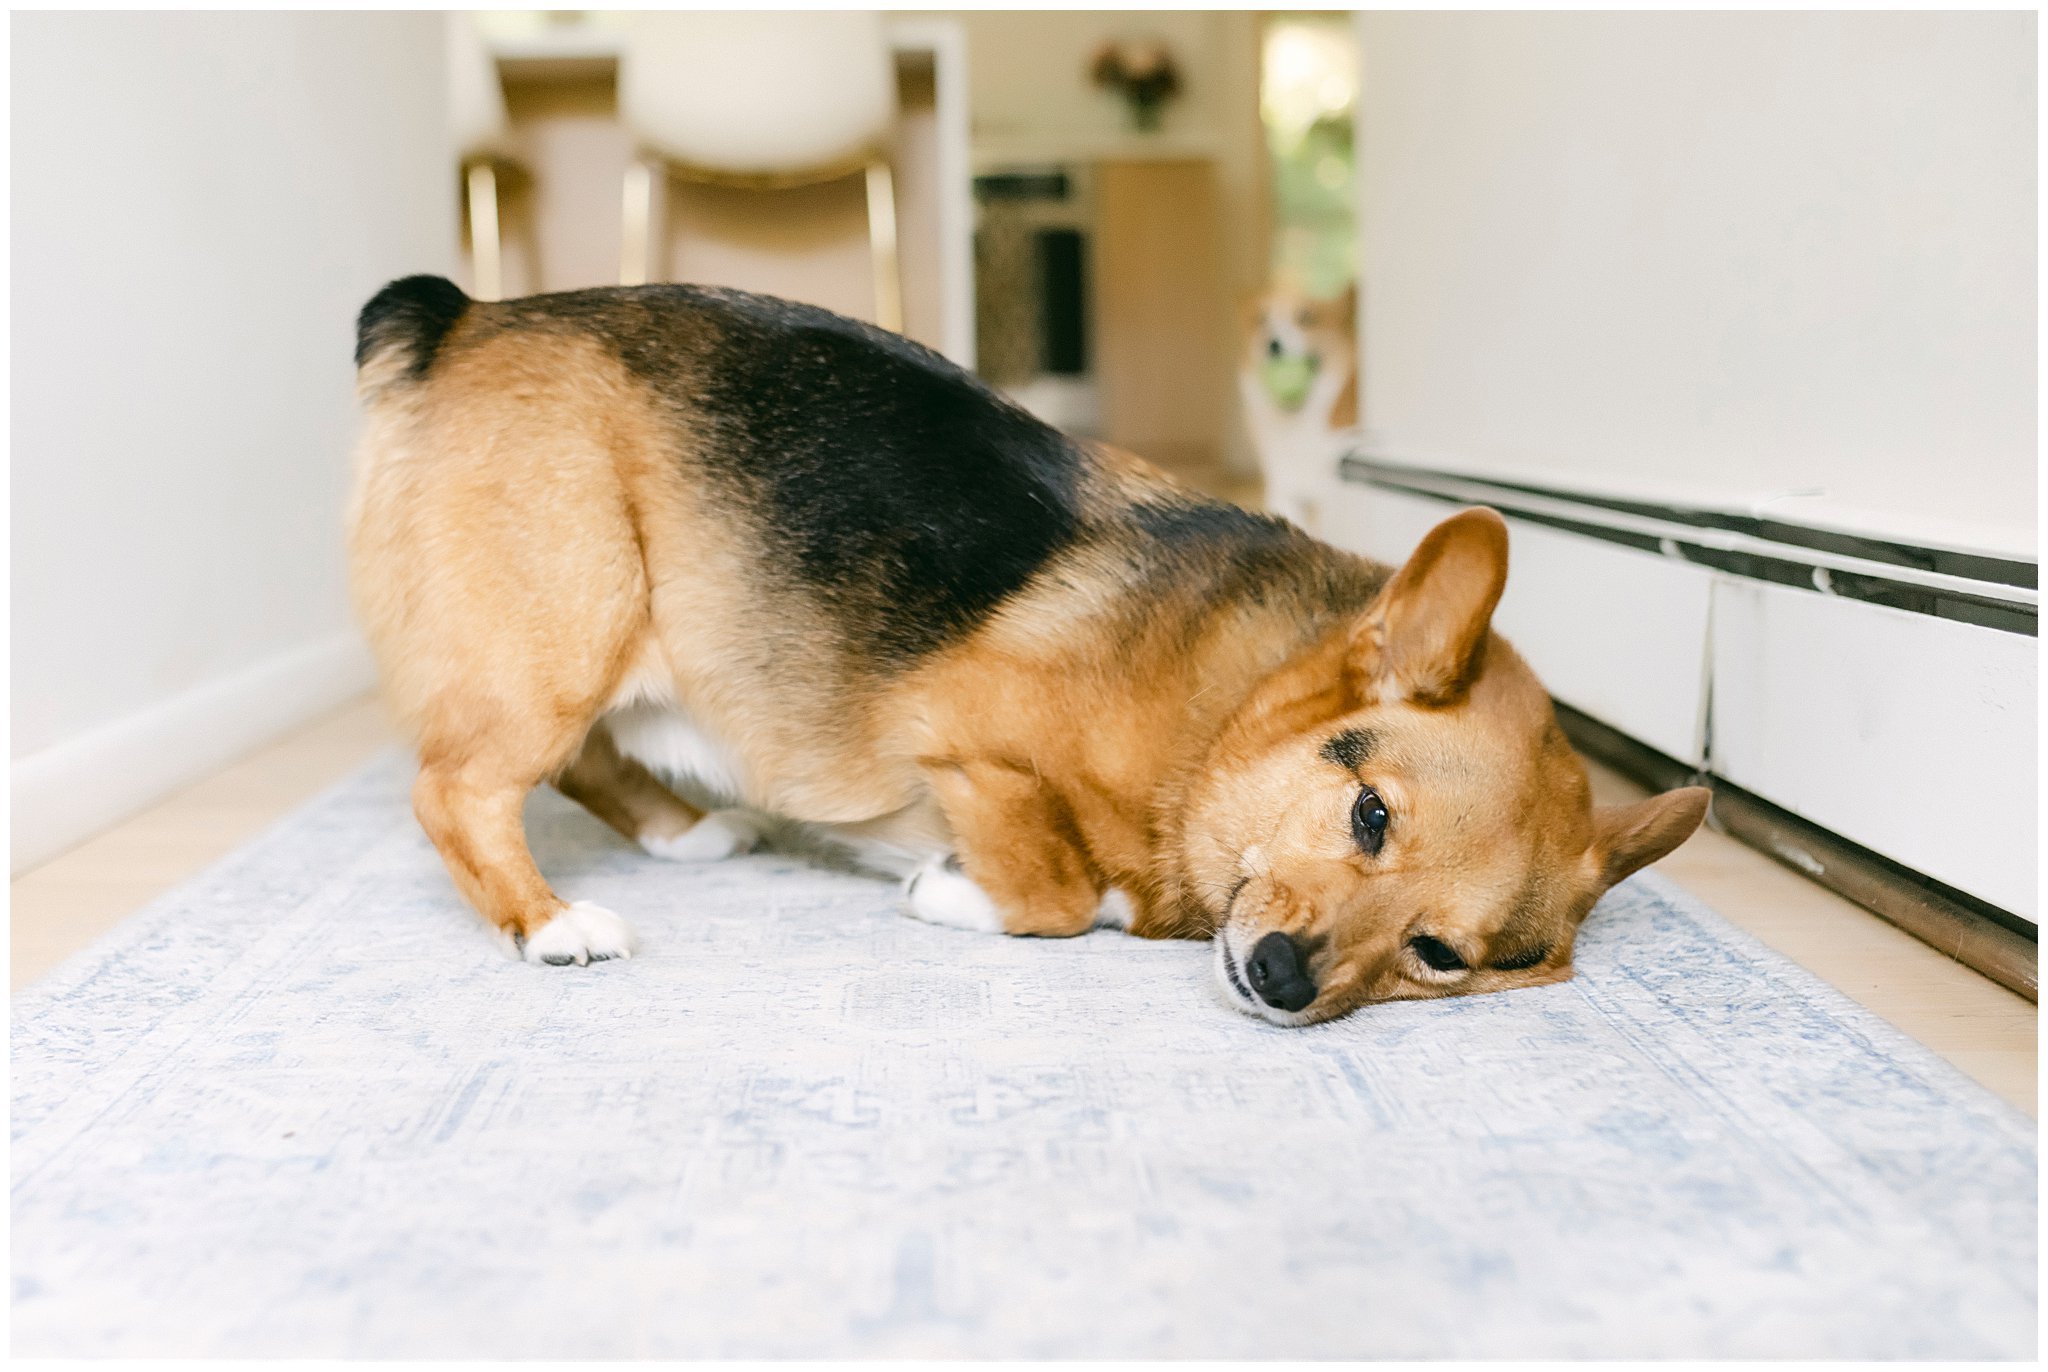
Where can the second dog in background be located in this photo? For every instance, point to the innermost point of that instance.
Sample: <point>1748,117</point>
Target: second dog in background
<point>1298,378</point>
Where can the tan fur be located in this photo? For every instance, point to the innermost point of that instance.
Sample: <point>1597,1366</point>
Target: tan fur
<point>533,548</point>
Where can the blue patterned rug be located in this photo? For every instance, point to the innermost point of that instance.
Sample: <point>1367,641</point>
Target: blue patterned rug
<point>302,1106</point>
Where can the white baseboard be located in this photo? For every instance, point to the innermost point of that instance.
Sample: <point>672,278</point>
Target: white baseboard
<point>1909,734</point>
<point>65,794</point>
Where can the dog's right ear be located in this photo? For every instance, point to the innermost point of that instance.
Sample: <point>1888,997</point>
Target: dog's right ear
<point>1628,838</point>
<point>1422,637</point>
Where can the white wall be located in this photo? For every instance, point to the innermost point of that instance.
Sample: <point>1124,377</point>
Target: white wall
<point>1720,257</point>
<point>1032,94</point>
<point>201,202</point>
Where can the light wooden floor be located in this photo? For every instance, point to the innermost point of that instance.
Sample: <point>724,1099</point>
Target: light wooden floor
<point>69,901</point>
<point>1969,1019</point>
<point>1981,1027</point>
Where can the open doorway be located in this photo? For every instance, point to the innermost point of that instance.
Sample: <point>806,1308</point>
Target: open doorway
<point>1298,366</point>
<point>1308,96</point>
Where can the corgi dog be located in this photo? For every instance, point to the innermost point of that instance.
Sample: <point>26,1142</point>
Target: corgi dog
<point>1297,382</point>
<point>610,537</point>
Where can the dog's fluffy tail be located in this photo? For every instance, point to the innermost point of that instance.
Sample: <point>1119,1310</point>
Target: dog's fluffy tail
<point>402,327</point>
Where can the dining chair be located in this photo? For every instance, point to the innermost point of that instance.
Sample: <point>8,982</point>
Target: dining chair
<point>765,101</point>
<point>482,135</point>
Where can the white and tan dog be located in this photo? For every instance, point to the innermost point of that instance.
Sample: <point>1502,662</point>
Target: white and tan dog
<point>1298,384</point>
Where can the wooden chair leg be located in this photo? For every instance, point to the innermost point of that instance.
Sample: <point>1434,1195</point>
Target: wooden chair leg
<point>882,244</point>
<point>485,249</point>
<point>636,257</point>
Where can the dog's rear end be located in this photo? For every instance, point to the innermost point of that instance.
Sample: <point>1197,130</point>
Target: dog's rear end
<point>499,577</point>
<point>713,528</point>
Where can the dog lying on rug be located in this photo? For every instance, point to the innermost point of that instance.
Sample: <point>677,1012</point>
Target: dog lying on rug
<point>605,535</point>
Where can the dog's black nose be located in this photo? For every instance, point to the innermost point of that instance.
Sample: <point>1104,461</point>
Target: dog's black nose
<point>1279,973</point>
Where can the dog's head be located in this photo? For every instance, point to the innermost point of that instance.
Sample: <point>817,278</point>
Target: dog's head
<point>1293,342</point>
<point>1395,814</point>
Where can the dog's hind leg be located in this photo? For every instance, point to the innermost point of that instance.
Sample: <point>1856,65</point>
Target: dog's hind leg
<point>500,688</point>
<point>499,577</point>
<point>472,812</point>
<point>518,718</point>
<point>625,795</point>
<point>500,563</point>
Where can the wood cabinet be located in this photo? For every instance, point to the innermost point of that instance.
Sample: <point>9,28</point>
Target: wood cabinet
<point>1162,314</point>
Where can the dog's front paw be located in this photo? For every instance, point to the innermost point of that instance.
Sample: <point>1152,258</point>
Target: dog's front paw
<point>720,834</point>
<point>940,893</point>
<point>579,934</point>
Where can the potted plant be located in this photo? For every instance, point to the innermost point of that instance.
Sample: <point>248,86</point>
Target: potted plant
<point>1142,71</point>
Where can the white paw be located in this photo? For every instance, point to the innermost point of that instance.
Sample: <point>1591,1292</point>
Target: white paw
<point>720,834</point>
<point>580,934</point>
<point>1115,912</point>
<point>940,893</point>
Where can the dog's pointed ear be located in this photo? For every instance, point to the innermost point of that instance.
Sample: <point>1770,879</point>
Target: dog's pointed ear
<point>1423,636</point>
<point>1627,838</point>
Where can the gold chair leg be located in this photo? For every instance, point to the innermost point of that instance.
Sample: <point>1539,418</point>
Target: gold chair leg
<point>636,257</point>
<point>485,249</point>
<point>882,244</point>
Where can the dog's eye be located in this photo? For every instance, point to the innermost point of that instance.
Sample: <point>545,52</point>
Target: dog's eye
<point>1436,953</point>
<point>1273,348</point>
<point>1369,821</point>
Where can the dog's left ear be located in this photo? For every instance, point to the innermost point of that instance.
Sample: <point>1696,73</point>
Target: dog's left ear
<point>1424,635</point>
<point>1628,838</point>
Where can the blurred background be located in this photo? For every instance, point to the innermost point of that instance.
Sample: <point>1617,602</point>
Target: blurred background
<point>1084,203</point>
<point>1733,314</point>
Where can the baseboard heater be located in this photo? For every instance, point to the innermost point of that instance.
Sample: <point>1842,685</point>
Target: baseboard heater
<point>1983,937</point>
<point>1784,665</point>
<point>1973,588</point>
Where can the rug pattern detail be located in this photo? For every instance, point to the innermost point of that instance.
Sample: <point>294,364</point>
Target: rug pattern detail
<point>302,1106</point>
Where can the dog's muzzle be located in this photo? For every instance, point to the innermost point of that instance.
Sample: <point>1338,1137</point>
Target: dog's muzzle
<point>1278,973</point>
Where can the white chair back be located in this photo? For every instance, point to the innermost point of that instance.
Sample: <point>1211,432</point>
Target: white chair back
<point>476,97</point>
<point>771,96</point>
